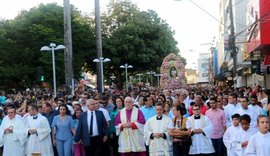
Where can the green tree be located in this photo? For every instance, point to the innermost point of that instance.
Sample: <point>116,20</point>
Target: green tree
<point>22,38</point>
<point>139,38</point>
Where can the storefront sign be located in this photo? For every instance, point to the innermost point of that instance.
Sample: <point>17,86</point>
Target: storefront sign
<point>258,32</point>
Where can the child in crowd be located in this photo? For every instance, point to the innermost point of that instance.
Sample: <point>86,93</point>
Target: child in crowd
<point>241,137</point>
<point>259,144</point>
<point>78,147</point>
<point>230,132</point>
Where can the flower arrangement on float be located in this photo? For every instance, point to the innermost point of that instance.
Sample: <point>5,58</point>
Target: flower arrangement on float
<point>172,73</point>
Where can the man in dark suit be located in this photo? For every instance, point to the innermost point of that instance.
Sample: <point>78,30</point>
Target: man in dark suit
<point>92,130</point>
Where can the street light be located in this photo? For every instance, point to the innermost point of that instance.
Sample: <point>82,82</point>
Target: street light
<point>53,47</point>
<point>101,60</point>
<point>151,73</point>
<point>139,77</point>
<point>126,66</point>
<point>157,75</point>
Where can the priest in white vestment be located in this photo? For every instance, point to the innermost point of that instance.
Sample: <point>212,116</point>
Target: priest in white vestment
<point>38,130</point>
<point>129,124</point>
<point>201,129</point>
<point>12,135</point>
<point>156,133</point>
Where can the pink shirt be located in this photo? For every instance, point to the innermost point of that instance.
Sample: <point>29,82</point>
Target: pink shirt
<point>218,119</point>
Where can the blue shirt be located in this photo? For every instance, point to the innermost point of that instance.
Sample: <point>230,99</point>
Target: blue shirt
<point>148,112</point>
<point>2,100</point>
<point>109,107</point>
<point>63,129</point>
<point>75,123</point>
<point>50,116</point>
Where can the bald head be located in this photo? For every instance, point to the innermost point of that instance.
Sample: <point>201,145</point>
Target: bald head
<point>128,99</point>
<point>128,103</point>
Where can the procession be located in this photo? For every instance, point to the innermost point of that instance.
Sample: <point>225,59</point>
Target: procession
<point>135,78</point>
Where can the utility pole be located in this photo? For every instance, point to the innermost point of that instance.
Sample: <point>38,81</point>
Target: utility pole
<point>232,43</point>
<point>98,44</point>
<point>68,51</point>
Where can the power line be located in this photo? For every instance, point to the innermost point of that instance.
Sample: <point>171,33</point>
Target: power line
<point>209,14</point>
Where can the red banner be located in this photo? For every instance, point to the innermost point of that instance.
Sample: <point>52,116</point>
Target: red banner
<point>258,14</point>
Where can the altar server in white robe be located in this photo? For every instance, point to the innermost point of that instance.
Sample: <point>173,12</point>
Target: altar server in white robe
<point>156,133</point>
<point>201,129</point>
<point>12,135</point>
<point>38,129</point>
<point>240,139</point>
<point>230,132</point>
<point>259,144</point>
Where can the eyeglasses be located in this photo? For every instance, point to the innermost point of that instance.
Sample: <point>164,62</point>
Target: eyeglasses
<point>195,109</point>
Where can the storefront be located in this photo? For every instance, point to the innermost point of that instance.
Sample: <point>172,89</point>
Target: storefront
<point>258,39</point>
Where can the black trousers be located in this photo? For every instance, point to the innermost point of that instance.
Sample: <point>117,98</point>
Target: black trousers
<point>180,149</point>
<point>115,145</point>
<point>95,148</point>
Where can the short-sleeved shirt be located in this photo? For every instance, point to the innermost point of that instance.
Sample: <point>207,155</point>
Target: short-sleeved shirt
<point>63,129</point>
<point>148,112</point>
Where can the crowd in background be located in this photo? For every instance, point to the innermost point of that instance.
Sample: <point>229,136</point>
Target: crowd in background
<point>141,121</point>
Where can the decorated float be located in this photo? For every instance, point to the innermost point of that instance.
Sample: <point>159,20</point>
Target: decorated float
<point>172,73</point>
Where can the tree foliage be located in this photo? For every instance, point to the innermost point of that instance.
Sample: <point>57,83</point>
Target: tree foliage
<point>139,38</point>
<point>22,62</point>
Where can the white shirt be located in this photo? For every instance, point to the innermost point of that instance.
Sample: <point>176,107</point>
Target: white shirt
<point>264,101</point>
<point>229,110</point>
<point>84,108</point>
<point>257,108</point>
<point>105,113</point>
<point>227,139</point>
<point>251,112</point>
<point>94,126</point>
<point>258,145</point>
<point>240,137</point>
<point>188,101</point>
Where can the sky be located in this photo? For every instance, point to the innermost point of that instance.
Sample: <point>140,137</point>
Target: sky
<point>194,28</point>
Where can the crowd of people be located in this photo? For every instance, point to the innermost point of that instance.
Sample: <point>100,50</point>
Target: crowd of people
<point>141,122</point>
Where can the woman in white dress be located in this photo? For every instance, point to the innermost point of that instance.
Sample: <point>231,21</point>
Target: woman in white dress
<point>259,144</point>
